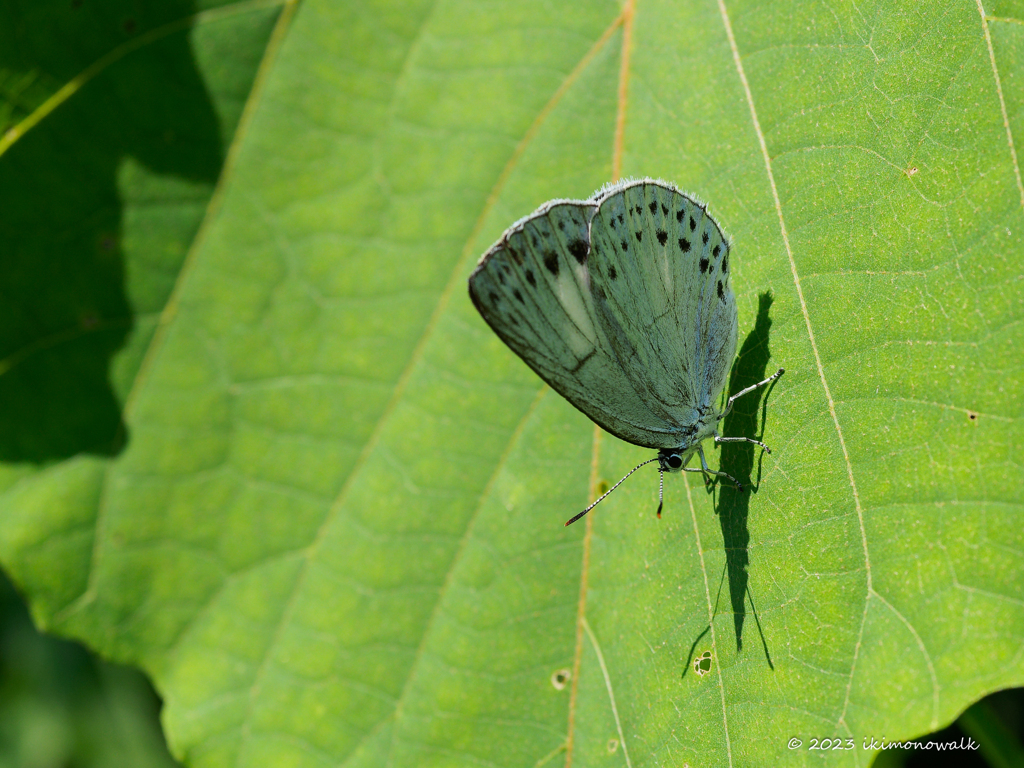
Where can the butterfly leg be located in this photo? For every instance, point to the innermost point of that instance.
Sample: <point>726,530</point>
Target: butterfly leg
<point>748,390</point>
<point>706,469</point>
<point>719,439</point>
<point>707,480</point>
<point>685,468</point>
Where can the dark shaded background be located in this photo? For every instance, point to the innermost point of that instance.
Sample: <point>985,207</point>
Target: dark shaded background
<point>64,311</point>
<point>92,239</point>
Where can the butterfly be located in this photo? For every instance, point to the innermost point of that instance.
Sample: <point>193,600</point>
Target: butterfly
<point>622,304</point>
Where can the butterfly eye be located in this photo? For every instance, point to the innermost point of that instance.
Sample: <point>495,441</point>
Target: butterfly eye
<point>670,460</point>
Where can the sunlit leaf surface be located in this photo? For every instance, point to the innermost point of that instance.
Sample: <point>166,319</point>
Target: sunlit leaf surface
<point>297,479</point>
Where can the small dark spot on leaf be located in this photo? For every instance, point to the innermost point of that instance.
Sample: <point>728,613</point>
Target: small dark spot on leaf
<point>551,262</point>
<point>530,278</point>
<point>662,236</point>
<point>972,416</point>
<point>704,265</point>
<point>559,678</point>
<point>684,245</point>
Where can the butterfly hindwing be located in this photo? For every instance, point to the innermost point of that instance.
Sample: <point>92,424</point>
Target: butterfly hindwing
<point>661,287</point>
<point>533,287</point>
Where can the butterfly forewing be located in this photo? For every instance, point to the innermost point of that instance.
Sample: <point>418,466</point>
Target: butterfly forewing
<point>534,289</point>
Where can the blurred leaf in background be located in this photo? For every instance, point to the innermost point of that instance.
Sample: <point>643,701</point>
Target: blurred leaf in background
<point>295,478</point>
<point>61,706</point>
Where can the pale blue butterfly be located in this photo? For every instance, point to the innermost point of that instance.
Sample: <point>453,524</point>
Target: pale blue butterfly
<point>622,304</point>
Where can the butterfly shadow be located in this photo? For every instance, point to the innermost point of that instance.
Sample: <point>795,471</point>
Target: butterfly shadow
<point>739,460</point>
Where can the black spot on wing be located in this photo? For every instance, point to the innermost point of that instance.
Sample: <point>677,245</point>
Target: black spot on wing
<point>518,295</point>
<point>684,245</point>
<point>725,261</point>
<point>653,206</point>
<point>716,250</point>
<point>579,249</point>
<point>662,236</point>
<point>517,257</point>
<point>693,224</point>
<point>530,278</point>
<point>664,210</point>
<point>551,262</point>
<point>704,238</point>
<point>612,273</point>
<point>639,235</point>
<point>535,240</point>
<point>679,215</point>
<point>493,297</point>
<point>721,292</point>
<point>704,265</point>
<point>501,277</point>
<point>621,218</point>
<point>625,244</point>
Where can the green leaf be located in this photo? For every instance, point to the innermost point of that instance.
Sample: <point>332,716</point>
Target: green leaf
<point>331,524</point>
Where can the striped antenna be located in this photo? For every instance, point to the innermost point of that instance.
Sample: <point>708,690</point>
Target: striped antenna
<point>601,498</point>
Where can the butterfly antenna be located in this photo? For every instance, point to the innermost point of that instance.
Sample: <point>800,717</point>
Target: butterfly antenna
<point>601,497</point>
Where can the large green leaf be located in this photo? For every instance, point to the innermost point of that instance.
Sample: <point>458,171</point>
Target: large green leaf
<point>333,531</point>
